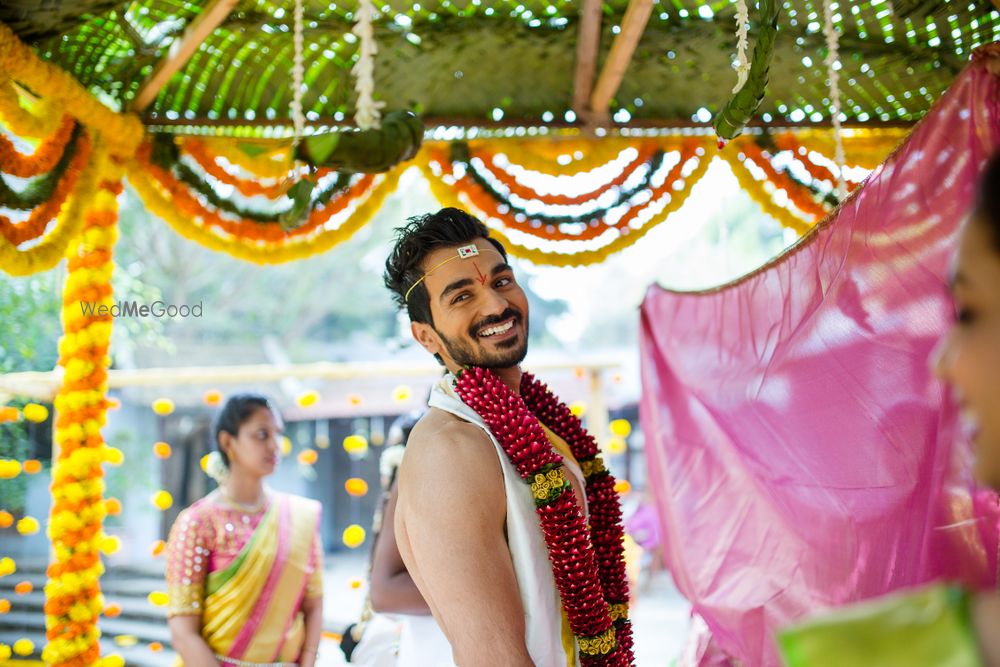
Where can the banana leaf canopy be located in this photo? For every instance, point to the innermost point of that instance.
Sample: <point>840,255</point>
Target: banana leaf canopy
<point>484,62</point>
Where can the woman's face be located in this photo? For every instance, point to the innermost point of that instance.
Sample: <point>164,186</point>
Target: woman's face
<point>969,356</point>
<point>256,449</point>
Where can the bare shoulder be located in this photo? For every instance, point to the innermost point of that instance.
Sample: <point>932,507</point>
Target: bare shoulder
<point>445,454</point>
<point>442,439</point>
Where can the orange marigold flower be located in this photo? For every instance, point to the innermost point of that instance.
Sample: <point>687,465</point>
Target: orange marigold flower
<point>32,467</point>
<point>23,588</point>
<point>6,519</point>
<point>113,610</point>
<point>113,506</point>
<point>156,647</point>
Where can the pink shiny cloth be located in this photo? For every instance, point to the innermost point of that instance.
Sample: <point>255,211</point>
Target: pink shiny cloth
<point>802,454</point>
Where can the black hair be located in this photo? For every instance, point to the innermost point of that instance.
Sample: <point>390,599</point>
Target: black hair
<point>237,410</point>
<point>420,236</point>
<point>988,201</point>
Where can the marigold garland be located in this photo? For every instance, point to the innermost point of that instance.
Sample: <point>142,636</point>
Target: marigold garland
<point>755,189</point>
<point>40,122</point>
<point>515,187</point>
<point>73,597</point>
<point>50,250</point>
<point>122,132</point>
<point>544,156</point>
<point>17,233</point>
<point>448,195</point>
<point>43,159</point>
<point>799,195</point>
<point>200,154</point>
<point>491,207</point>
<point>147,174</point>
<point>588,565</point>
<point>262,165</point>
<point>158,201</point>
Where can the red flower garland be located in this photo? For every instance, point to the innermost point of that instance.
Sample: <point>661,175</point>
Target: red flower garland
<point>589,569</point>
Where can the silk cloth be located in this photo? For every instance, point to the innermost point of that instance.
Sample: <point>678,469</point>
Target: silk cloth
<point>251,609</point>
<point>801,452</point>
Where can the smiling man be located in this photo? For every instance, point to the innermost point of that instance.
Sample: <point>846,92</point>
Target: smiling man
<point>497,477</point>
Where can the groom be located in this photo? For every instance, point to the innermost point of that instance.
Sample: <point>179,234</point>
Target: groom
<point>482,515</point>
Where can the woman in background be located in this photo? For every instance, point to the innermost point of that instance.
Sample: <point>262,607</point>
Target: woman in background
<point>244,563</point>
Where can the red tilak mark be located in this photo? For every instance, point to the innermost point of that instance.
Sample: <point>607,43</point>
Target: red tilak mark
<point>482,277</point>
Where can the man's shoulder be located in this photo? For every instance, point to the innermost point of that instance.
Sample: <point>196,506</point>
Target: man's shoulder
<point>443,439</point>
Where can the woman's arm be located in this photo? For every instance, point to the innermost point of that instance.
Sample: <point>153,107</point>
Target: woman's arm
<point>392,588</point>
<point>312,609</point>
<point>186,639</point>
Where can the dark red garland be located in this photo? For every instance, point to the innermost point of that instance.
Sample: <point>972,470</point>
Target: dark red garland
<point>589,569</point>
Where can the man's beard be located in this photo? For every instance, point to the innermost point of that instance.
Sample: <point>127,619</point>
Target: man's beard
<point>465,353</point>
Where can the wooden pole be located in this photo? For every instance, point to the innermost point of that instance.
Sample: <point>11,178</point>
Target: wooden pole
<point>181,50</point>
<point>632,27</point>
<point>588,41</point>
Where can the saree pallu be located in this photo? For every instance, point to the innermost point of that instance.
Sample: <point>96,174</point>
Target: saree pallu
<point>252,610</point>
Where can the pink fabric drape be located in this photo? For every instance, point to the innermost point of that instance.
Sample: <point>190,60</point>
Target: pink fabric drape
<point>801,452</point>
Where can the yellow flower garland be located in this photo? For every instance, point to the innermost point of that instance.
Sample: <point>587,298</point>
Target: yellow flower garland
<point>73,600</point>
<point>52,248</point>
<point>273,253</point>
<point>122,132</point>
<point>755,189</point>
<point>41,122</point>
<point>542,155</point>
<point>447,196</point>
<point>263,165</point>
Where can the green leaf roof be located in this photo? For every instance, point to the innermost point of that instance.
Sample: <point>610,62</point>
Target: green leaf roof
<point>479,61</point>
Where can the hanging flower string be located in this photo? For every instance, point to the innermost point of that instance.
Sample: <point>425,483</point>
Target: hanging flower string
<point>588,565</point>
<point>367,115</point>
<point>298,72</point>
<point>742,63</point>
<point>832,71</point>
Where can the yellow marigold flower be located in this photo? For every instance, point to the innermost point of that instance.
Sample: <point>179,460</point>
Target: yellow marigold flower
<point>113,660</point>
<point>355,400</point>
<point>286,445</point>
<point>80,613</point>
<point>307,398</point>
<point>307,457</point>
<point>355,444</point>
<point>110,545</point>
<point>158,598</point>
<point>114,456</point>
<point>5,652</point>
<point>35,412</point>
<point>616,446</point>
<point>402,393</point>
<point>354,536</point>
<point>28,525</point>
<point>212,397</point>
<point>9,468</point>
<point>620,427</point>
<point>162,500</point>
<point>623,486</point>
<point>163,406</point>
<point>126,640</point>
<point>578,408</point>
<point>356,486</point>
<point>7,566</point>
<point>356,584</point>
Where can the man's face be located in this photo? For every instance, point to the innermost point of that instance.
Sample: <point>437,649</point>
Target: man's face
<point>480,312</point>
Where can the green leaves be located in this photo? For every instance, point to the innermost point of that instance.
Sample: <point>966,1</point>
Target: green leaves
<point>366,151</point>
<point>729,122</point>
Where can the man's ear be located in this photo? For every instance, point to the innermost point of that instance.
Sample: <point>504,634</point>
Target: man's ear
<point>425,335</point>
